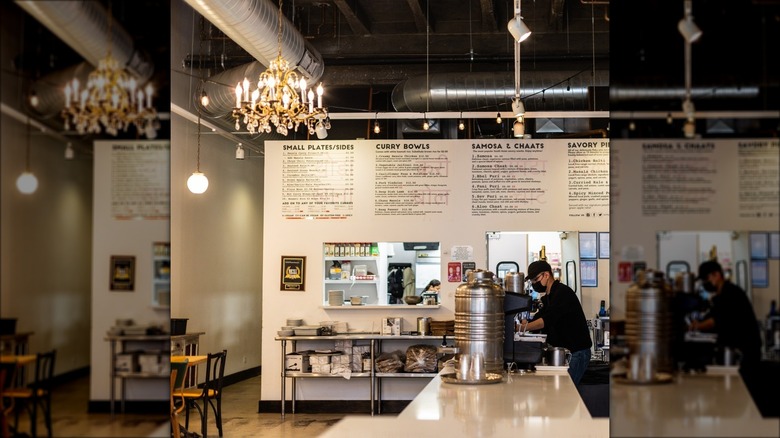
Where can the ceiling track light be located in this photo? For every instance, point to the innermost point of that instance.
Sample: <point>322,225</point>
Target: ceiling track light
<point>520,32</point>
<point>240,152</point>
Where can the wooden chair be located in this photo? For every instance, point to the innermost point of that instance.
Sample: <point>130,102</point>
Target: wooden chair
<point>7,372</point>
<point>37,394</point>
<point>178,371</point>
<point>210,393</point>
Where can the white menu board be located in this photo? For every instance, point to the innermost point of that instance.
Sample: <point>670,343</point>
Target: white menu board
<point>140,179</point>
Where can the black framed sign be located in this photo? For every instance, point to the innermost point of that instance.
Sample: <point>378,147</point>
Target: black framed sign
<point>122,273</point>
<point>293,275</point>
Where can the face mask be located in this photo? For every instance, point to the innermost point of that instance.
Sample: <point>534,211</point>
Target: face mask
<point>539,287</point>
<point>709,287</point>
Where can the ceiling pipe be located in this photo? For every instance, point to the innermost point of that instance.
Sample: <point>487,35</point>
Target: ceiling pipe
<point>473,91</point>
<point>84,26</point>
<point>254,25</point>
<point>619,93</point>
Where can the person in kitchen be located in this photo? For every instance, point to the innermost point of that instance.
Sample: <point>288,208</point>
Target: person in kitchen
<point>731,315</point>
<point>432,286</point>
<point>732,318</point>
<point>560,317</point>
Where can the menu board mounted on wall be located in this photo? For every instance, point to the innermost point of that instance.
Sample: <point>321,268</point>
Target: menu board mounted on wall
<point>293,276</point>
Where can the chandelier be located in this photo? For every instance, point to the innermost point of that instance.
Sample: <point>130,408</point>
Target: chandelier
<point>281,98</point>
<point>112,100</point>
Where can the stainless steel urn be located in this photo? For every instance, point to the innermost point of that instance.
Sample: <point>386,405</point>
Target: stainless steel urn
<point>648,319</point>
<point>479,319</point>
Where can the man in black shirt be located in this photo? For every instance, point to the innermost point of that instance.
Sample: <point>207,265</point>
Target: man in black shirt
<point>731,317</point>
<point>561,318</point>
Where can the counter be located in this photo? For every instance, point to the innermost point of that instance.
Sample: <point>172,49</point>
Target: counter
<point>701,405</point>
<point>537,404</point>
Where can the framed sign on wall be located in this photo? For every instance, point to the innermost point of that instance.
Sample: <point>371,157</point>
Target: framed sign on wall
<point>293,275</point>
<point>122,274</point>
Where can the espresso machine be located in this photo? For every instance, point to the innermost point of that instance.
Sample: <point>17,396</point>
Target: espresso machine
<point>522,351</point>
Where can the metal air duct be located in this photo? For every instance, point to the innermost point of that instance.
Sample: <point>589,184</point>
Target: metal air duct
<point>541,91</point>
<point>84,27</point>
<point>254,25</point>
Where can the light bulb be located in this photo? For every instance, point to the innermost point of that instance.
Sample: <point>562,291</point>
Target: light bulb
<point>631,126</point>
<point>669,118</point>
<point>461,125</point>
<point>27,183</point>
<point>689,129</point>
<point>426,125</point>
<point>240,152</point>
<point>34,101</point>
<point>498,118</point>
<point>197,183</point>
<point>377,129</point>
<point>518,128</point>
<point>320,130</point>
<point>204,99</point>
<point>69,152</point>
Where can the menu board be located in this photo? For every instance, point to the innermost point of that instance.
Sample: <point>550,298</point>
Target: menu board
<point>508,178</point>
<point>588,178</point>
<point>549,184</point>
<point>411,179</point>
<point>318,180</point>
<point>678,177</point>
<point>140,180</point>
<point>759,178</point>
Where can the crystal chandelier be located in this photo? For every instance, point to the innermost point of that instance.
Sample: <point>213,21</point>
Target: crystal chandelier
<point>112,100</point>
<point>280,98</point>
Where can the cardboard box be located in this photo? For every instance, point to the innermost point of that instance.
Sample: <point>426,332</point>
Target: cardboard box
<point>392,325</point>
<point>125,362</point>
<point>297,362</point>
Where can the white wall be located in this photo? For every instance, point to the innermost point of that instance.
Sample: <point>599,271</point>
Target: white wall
<point>121,237</point>
<point>45,237</point>
<point>454,226</point>
<point>216,237</point>
<point>634,233</point>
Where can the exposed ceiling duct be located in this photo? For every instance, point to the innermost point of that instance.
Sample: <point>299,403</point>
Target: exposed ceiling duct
<point>84,26</point>
<point>624,93</point>
<point>254,25</point>
<point>541,90</point>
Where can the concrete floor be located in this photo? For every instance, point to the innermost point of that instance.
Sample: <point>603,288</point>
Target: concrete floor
<point>239,409</point>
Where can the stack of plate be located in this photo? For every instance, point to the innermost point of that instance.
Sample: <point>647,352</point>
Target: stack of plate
<point>335,297</point>
<point>294,322</point>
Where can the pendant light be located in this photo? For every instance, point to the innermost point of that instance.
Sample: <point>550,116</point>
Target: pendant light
<point>27,183</point>
<point>377,128</point>
<point>461,123</point>
<point>197,182</point>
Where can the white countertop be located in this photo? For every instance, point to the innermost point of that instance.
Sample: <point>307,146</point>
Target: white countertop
<point>536,404</point>
<point>703,405</point>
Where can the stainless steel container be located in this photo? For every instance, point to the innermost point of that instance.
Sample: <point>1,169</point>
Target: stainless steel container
<point>513,282</point>
<point>685,282</point>
<point>648,319</point>
<point>479,319</point>
<point>424,325</point>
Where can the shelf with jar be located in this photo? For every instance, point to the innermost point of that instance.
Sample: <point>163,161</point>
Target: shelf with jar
<point>161,275</point>
<point>352,269</point>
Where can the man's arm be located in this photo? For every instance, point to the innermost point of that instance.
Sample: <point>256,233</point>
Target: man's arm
<point>536,324</point>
